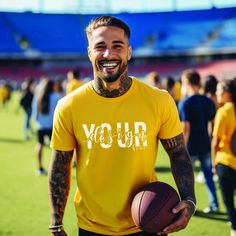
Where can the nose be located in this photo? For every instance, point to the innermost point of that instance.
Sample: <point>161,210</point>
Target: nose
<point>107,52</point>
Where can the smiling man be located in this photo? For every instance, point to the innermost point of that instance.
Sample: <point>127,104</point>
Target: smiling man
<point>114,123</point>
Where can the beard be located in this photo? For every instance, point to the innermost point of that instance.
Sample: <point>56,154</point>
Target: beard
<point>114,77</point>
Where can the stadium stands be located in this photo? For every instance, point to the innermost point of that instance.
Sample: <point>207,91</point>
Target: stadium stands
<point>8,43</point>
<point>61,38</point>
<point>155,33</point>
<point>53,33</point>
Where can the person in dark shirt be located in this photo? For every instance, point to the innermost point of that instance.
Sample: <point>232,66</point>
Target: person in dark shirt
<point>196,112</point>
<point>26,103</point>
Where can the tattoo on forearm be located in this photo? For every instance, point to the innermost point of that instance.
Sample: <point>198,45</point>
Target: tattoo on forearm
<point>59,184</point>
<point>181,166</point>
<point>125,83</point>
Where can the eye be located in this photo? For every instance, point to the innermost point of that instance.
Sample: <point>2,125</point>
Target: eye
<point>100,47</point>
<point>118,46</point>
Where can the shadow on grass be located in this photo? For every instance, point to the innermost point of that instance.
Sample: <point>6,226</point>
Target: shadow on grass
<point>167,169</point>
<point>219,216</point>
<point>10,140</point>
<point>161,169</point>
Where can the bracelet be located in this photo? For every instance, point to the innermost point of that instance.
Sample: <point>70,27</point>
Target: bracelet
<point>193,203</point>
<point>55,227</point>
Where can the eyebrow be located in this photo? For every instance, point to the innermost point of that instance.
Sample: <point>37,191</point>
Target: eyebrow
<point>115,41</point>
<point>118,41</point>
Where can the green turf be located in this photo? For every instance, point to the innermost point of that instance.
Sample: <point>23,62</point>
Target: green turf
<point>24,206</point>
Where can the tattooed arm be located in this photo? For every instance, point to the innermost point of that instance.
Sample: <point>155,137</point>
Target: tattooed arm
<point>182,171</point>
<point>59,186</point>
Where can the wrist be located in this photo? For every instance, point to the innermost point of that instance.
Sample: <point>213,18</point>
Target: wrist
<point>193,204</point>
<point>56,228</point>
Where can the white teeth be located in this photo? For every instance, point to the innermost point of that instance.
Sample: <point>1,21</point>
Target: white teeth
<point>109,65</point>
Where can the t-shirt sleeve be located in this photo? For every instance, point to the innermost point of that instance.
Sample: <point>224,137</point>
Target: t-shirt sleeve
<point>170,122</point>
<point>219,124</point>
<point>63,138</point>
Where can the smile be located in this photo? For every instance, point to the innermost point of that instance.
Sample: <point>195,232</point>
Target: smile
<point>109,65</point>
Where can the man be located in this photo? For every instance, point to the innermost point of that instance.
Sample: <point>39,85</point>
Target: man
<point>116,141</point>
<point>73,80</point>
<point>196,113</point>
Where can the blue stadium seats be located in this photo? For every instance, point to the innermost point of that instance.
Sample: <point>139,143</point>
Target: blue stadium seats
<point>226,36</point>
<point>50,32</point>
<point>150,32</point>
<point>8,43</point>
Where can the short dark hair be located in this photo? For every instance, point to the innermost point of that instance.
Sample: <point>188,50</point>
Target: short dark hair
<point>107,21</point>
<point>192,76</point>
<point>76,73</point>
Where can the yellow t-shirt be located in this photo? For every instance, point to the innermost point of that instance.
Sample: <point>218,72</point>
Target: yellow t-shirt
<point>116,141</point>
<point>177,91</point>
<point>224,127</point>
<point>72,85</point>
<point>4,93</point>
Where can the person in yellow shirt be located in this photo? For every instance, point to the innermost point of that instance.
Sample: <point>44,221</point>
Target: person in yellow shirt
<point>223,158</point>
<point>74,82</point>
<point>114,122</point>
<point>4,93</point>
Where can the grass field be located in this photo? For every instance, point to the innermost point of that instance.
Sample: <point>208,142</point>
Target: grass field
<point>24,209</point>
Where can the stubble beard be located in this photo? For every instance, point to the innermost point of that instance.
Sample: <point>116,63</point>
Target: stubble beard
<point>114,77</point>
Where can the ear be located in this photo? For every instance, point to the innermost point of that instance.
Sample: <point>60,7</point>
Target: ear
<point>129,52</point>
<point>89,53</point>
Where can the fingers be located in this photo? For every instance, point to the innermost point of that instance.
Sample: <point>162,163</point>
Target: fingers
<point>183,210</point>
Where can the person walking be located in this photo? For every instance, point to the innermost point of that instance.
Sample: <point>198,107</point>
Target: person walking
<point>43,108</point>
<point>224,161</point>
<point>196,112</point>
<point>26,99</point>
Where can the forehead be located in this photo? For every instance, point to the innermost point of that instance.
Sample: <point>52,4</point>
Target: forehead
<point>107,34</point>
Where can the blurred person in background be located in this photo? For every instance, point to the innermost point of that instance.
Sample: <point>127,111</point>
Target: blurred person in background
<point>43,109</point>
<point>59,86</point>
<point>177,90</point>
<point>196,111</point>
<point>168,84</point>
<point>4,93</point>
<point>74,81</point>
<point>209,88</point>
<point>153,79</point>
<point>26,99</point>
<point>224,161</point>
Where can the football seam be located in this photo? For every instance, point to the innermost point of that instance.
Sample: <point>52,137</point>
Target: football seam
<point>139,208</point>
<point>152,218</point>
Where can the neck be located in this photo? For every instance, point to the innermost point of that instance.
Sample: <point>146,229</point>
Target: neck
<point>193,90</point>
<point>114,89</point>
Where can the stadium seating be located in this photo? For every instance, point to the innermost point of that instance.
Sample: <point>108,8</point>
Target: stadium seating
<point>226,35</point>
<point>152,33</point>
<point>8,43</point>
<point>52,33</point>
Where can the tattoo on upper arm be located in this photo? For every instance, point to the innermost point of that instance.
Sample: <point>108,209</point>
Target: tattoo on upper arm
<point>174,145</point>
<point>181,165</point>
<point>59,183</point>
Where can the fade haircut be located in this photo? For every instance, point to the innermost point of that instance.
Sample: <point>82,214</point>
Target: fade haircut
<point>107,21</point>
<point>192,77</point>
